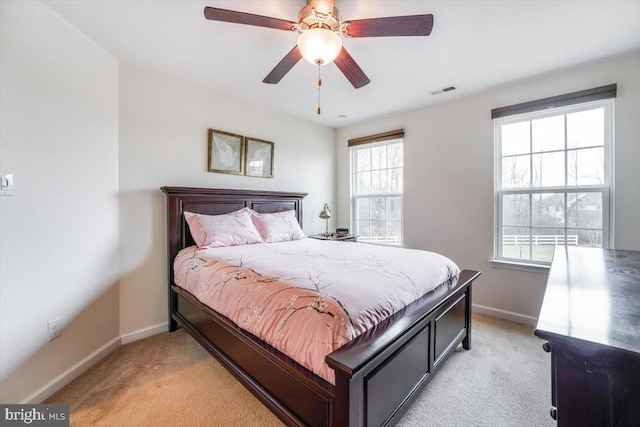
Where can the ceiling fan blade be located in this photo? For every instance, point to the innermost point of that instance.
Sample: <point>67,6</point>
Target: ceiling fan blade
<point>284,66</point>
<point>392,26</point>
<point>224,15</point>
<point>351,70</point>
<point>322,6</point>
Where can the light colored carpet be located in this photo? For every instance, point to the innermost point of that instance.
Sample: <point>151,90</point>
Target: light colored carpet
<point>169,380</point>
<point>504,380</point>
<point>164,380</point>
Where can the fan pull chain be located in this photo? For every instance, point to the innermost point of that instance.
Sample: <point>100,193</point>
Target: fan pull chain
<point>319,85</point>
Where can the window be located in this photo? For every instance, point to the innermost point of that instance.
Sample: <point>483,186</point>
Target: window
<point>553,179</point>
<point>376,184</point>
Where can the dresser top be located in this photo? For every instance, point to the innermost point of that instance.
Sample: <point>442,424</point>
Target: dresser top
<point>593,295</point>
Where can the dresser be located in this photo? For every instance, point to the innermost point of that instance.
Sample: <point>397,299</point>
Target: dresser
<point>590,321</point>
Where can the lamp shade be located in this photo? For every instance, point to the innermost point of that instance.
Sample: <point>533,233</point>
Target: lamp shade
<point>319,45</point>
<point>326,212</point>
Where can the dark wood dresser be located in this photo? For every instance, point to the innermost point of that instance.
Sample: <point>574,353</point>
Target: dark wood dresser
<point>590,320</point>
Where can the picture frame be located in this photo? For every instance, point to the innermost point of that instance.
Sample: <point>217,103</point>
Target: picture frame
<point>258,157</point>
<point>226,152</point>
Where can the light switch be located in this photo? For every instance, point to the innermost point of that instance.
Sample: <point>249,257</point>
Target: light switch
<point>6,184</point>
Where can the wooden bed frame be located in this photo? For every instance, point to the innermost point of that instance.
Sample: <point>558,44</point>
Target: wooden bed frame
<point>378,374</point>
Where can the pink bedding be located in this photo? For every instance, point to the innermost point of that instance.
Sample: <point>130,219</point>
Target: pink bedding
<point>309,297</point>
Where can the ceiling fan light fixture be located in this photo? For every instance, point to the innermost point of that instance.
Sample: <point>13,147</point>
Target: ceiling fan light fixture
<point>320,30</point>
<point>319,46</point>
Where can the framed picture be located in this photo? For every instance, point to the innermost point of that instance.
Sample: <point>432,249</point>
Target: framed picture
<point>258,158</point>
<point>226,152</point>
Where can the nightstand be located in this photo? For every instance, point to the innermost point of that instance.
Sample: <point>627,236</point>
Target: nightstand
<point>347,238</point>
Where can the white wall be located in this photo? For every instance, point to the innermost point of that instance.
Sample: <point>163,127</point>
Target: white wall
<point>59,232</point>
<point>448,201</point>
<point>163,141</point>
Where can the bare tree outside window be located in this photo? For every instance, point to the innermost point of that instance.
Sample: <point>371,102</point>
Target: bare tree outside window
<point>377,192</point>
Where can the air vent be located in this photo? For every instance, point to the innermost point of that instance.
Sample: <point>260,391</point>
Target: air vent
<point>443,90</point>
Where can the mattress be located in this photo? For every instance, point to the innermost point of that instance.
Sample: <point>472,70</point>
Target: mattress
<point>309,297</point>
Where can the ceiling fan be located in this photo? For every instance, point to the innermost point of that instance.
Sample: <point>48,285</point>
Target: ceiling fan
<point>321,29</point>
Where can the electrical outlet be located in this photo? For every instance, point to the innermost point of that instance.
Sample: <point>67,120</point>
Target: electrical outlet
<point>54,329</point>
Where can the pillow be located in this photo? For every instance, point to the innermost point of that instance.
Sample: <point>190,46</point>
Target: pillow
<point>277,227</point>
<point>214,231</point>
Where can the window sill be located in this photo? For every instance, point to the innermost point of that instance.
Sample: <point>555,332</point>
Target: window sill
<point>389,245</point>
<point>521,266</point>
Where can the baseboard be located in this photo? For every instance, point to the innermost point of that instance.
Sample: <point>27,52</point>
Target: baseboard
<point>144,333</point>
<point>72,373</point>
<point>504,314</point>
<point>82,366</point>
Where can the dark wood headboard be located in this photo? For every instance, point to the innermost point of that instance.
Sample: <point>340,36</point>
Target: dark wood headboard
<point>217,201</point>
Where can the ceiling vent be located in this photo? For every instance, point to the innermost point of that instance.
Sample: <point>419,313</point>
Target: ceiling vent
<point>443,90</point>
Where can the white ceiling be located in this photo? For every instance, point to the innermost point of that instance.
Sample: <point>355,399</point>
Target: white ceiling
<point>474,45</point>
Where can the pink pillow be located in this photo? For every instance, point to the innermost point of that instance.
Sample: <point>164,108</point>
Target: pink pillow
<point>214,231</point>
<point>278,227</point>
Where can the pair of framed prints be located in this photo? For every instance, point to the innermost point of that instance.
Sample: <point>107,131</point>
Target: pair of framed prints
<point>239,155</point>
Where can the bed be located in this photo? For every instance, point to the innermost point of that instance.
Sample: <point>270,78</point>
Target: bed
<point>377,375</point>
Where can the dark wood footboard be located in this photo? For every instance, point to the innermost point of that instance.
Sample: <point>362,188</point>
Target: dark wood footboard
<point>378,374</point>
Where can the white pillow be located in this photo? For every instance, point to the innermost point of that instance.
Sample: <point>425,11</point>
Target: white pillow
<point>278,227</point>
<point>214,231</point>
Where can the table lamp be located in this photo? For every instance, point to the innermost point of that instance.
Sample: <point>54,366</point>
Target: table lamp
<point>326,214</point>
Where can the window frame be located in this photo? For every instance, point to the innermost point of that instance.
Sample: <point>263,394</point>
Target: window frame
<point>605,189</point>
<point>354,196</point>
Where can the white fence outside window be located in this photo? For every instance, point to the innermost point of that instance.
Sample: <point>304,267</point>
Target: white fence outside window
<point>389,240</point>
<point>540,239</point>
